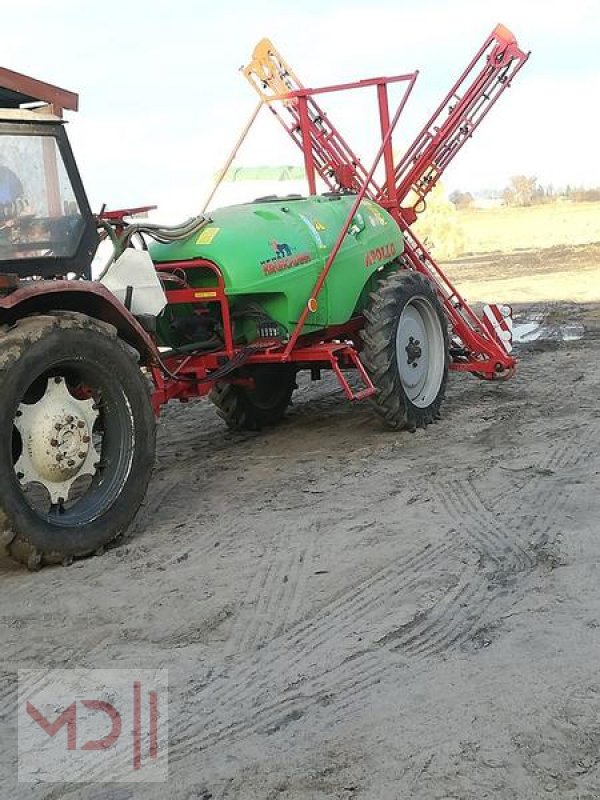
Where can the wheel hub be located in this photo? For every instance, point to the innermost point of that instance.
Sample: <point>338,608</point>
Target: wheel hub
<point>413,351</point>
<point>420,351</point>
<point>56,434</point>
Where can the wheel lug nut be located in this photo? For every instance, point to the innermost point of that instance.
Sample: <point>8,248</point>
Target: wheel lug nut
<point>69,419</point>
<point>81,424</point>
<point>57,379</point>
<point>85,439</point>
<point>59,457</point>
<point>20,475</point>
<point>19,413</point>
<point>70,463</point>
<point>54,442</point>
<point>81,455</point>
<point>58,426</point>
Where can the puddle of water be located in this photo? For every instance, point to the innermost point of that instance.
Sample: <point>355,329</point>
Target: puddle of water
<point>526,331</point>
<point>572,332</point>
<point>537,328</point>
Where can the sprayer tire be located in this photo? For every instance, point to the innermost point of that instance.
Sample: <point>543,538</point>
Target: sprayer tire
<point>405,350</point>
<point>264,405</point>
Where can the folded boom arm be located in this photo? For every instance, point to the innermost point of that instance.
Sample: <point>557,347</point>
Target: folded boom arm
<point>408,183</point>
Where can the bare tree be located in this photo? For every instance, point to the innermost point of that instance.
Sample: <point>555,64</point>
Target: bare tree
<point>522,191</point>
<point>461,199</point>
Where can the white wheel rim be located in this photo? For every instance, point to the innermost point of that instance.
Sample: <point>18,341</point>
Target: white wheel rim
<point>420,351</point>
<point>57,440</point>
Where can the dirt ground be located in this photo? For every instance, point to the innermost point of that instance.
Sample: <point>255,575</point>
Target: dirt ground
<point>351,613</point>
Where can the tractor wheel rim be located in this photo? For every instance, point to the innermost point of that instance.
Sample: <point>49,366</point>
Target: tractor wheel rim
<point>420,354</point>
<point>56,433</point>
<point>90,429</point>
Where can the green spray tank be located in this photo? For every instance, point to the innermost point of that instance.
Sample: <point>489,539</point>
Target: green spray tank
<point>272,251</point>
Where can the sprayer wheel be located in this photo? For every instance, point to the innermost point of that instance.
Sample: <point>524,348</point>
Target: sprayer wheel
<point>406,350</point>
<point>252,409</point>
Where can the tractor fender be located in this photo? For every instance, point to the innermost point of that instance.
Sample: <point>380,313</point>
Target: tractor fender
<point>86,297</point>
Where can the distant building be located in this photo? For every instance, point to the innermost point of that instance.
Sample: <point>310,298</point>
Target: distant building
<point>244,184</point>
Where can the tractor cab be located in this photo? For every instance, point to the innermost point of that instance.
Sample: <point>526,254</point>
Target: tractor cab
<point>46,226</point>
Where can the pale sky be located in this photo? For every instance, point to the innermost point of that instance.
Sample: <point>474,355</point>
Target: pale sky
<point>162,102</point>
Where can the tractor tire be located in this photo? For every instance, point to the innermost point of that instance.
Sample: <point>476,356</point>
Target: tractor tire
<point>406,350</point>
<point>77,437</point>
<point>264,405</point>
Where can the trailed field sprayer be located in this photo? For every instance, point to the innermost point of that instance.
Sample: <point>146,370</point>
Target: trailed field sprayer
<point>231,304</point>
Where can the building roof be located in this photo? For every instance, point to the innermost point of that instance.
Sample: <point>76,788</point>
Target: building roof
<point>17,89</point>
<point>267,173</point>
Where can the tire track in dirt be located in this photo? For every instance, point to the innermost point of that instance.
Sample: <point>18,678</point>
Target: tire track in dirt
<point>351,678</point>
<point>445,624</point>
<point>460,500</point>
<point>452,620</point>
<point>246,615</point>
<point>301,649</point>
<point>294,584</point>
<point>276,593</point>
<point>505,546</point>
<point>259,606</point>
<point>303,568</point>
<point>561,453</point>
<point>275,598</point>
<point>55,656</point>
<point>345,610</point>
<point>461,610</point>
<point>541,521</point>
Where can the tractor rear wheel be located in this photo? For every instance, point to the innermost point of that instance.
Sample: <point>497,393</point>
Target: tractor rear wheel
<point>406,350</point>
<point>77,437</point>
<point>252,409</point>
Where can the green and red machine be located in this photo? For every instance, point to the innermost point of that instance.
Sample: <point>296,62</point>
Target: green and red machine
<point>230,304</point>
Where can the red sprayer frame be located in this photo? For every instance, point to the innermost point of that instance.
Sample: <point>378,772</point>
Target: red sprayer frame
<point>403,194</point>
<point>406,186</point>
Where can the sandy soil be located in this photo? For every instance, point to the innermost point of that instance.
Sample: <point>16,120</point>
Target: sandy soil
<point>349,613</point>
<point>554,274</point>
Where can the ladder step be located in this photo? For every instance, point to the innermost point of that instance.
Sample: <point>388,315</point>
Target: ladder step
<point>369,389</point>
<point>364,393</point>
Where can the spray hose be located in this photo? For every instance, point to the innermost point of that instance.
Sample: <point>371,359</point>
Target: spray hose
<point>163,234</point>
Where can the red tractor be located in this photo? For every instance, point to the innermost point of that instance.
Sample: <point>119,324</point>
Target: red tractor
<point>230,305</point>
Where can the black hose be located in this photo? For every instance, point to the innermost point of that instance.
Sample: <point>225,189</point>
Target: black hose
<point>231,365</point>
<point>163,234</point>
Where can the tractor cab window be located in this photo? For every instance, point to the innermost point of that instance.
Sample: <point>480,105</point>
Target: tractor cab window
<point>39,213</point>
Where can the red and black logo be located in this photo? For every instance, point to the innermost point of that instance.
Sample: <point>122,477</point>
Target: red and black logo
<point>284,258</point>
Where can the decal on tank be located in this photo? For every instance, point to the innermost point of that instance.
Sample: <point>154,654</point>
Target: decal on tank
<point>314,231</point>
<point>383,253</point>
<point>284,258</point>
<point>376,218</point>
<point>279,264</point>
<point>207,235</point>
<point>280,248</point>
